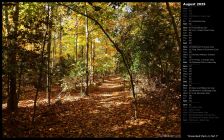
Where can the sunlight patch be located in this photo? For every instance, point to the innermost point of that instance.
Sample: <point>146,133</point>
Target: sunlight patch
<point>106,95</point>
<point>71,98</point>
<point>94,111</point>
<point>29,103</point>
<point>116,127</point>
<point>116,93</point>
<point>138,122</point>
<point>42,102</point>
<point>117,78</point>
<point>26,103</point>
<point>108,104</point>
<point>120,103</point>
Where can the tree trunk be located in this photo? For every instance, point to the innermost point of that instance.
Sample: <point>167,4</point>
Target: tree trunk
<point>49,54</point>
<point>81,91</point>
<point>41,69</point>
<point>39,79</point>
<point>12,104</point>
<point>76,38</point>
<point>54,46</point>
<point>53,50</point>
<point>132,87</point>
<point>60,47</point>
<point>93,58</point>
<point>87,56</point>
<point>20,79</point>
<point>8,45</point>
<point>91,61</point>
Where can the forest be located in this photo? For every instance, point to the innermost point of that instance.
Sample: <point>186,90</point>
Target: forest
<point>91,69</point>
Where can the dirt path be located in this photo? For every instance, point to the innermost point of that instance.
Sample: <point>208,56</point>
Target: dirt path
<point>105,113</point>
<point>111,84</point>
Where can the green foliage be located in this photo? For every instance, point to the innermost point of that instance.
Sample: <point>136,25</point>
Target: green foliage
<point>148,42</point>
<point>104,64</point>
<point>77,69</point>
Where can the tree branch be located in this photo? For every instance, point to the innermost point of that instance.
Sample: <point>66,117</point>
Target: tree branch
<point>174,24</point>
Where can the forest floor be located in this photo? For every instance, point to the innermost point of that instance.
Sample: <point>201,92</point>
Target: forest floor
<point>106,112</point>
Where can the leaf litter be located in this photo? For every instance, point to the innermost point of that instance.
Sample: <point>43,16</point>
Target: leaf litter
<point>106,113</point>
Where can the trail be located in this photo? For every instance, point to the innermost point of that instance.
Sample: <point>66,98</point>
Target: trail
<point>105,113</point>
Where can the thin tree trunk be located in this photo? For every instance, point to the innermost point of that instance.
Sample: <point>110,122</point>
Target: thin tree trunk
<point>40,72</point>
<point>50,10</point>
<point>93,58</point>
<point>81,91</point>
<point>60,47</point>
<point>39,79</point>
<point>20,77</point>
<point>50,19</point>
<point>91,62</point>
<point>48,57</point>
<point>87,56</point>
<point>54,50</point>
<point>76,38</point>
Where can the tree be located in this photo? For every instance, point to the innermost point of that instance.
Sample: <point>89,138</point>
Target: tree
<point>49,22</point>
<point>13,45</point>
<point>76,37</point>
<point>39,78</point>
<point>87,55</point>
<point>8,44</point>
<point>60,44</point>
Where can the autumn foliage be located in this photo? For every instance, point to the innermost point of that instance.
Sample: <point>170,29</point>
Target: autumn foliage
<point>91,69</point>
